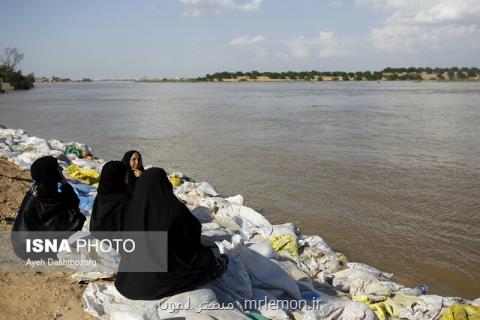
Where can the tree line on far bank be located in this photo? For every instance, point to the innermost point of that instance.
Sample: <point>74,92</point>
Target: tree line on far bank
<point>389,73</point>
<point>14,77</point>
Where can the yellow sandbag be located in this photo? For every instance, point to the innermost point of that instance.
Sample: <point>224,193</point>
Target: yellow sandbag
<point>392,306</point>
<point>380,308</point>
<point>89,176</point>
<point>343,258</point>
<point>175,181</point>
<point>461,312</point>
<point>285,243</point>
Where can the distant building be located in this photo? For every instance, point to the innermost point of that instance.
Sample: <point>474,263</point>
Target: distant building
<point>6,87</point>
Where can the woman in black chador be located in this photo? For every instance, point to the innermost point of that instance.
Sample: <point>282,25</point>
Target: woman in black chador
<point>112,199</point>
<point>44,207</point>
<point>154,207</point>
<point>133,160</point>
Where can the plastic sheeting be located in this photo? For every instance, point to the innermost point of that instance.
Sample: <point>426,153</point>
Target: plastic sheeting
<point>89,176</point>
<point>461,312</point>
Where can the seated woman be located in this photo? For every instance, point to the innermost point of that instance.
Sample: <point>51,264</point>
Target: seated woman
<point>112,198</point>
<point>154,207</point>
<point>133,160</point>
<point>44,208</point>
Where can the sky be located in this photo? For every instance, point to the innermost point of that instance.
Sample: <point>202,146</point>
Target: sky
<point>190,38</point>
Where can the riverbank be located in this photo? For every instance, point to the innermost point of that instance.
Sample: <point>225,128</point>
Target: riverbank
<point>388,74</point>
<point>32,295</point>
<point>306,260</point>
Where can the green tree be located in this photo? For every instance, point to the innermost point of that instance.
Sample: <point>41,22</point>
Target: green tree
<point>392,77</point>
<point>471,73</point>
<point>8,73</point>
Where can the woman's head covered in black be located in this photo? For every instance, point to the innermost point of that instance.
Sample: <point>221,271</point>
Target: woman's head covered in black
<point>133,159</point>
<point>113,178</point>
<point>46,171</point>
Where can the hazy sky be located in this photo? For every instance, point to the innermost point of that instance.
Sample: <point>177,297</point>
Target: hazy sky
<point>186,38</point>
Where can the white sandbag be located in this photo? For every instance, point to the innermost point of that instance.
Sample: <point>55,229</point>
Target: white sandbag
<point>341,311</point>
<point>213,314</point>
<point>194,300</point>
<point>264,248</point>
<point>315,262</point>
<point>316,243</point>
<point>264,273</point>
<point>72,156</point>
<point>374,271</point>
<point>203,214</point>
<point>238,199</point>
<point>343,280</point>
<point>84,277</point>
<point>56,144</point>
<point>5,151</point>
<point>28,157</point>
<point>211,237</point>
<point>393,286</point>
<point>210,226</point>
<point>183,187</point>
<point>177,174</point>
<point>371,288</point>
<point>103,300</point>
<point>36,143</point>
<point>86,164</point>
<point>273,313</point>
<point>188,193</point>
<point>476,302</point>
<point>292,269</point>
<point>425,307</point>
<point>55,153</point>
<point>249,220</point>
<point>214,203</point>
<point>286,228</point>
<point>206,188</point>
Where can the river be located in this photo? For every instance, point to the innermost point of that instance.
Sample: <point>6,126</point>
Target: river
<point>388,173</point>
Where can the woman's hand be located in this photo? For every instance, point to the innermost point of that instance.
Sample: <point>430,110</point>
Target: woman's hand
<point>137,172</point>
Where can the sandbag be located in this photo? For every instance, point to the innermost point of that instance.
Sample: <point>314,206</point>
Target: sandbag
<point>370,288</point>
<point>341,311</point>
<point>263,273</point>
<point>249,220</point>
<point>380,275</point>
<point>203,214</point>
<point>206,188</point>
<point>461,312</point>
<point>88,176</point>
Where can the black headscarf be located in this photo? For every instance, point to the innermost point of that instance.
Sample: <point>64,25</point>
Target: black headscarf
<point>154,207</point>
<point>112,198</point>
<point>45,170</point>
<point>131,176</point>
<point>44,208</point>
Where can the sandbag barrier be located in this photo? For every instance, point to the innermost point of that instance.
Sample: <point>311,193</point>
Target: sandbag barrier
<point>275,272</point>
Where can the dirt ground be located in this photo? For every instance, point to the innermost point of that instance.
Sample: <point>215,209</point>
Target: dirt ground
<point>48,295</point>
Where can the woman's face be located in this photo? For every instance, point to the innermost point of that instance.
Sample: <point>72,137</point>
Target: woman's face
<point>135,161</point>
